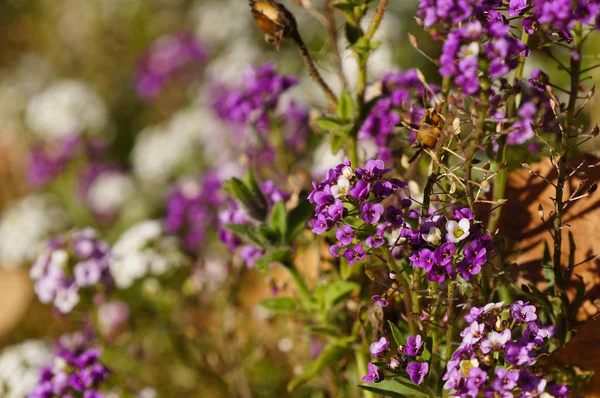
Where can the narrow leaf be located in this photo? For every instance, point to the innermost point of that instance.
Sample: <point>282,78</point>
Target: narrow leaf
<point>280,305</point>
<point>399,338</point>
<point>345,106</point>
<point>328,357</point>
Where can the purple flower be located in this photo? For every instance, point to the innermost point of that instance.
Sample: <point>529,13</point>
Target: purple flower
<point>354,255</point>
<point>445,253</point>
<point>515,7</point>
<point>424,258</point>
<point>463,212</point>
<point>167,57</point>
<point>474,314</point>
<point>523,312</point>
<point>371,213</point>
<point>320,224</point>
<point>475,253</point>
<point>468,269</point>
<point>380,300</point>
<point>531,383</point>
<point>379,347</point>
<point>250,254</point>
<point>376,240</point>
<point>476,378</point>
<point>539,79</point>
<point>438,273</point>
<point>520,353</point>
<point>47,161</point>
<point>495,341</point>
<point>360,190</point>
<point>345,234</point>
<point>473,333</point>
<point>505,380</point>
<point>417,371</point>
<point>414,346</point>
<point>373,375</point>
<point>336,210</point>
<point>374,169</point>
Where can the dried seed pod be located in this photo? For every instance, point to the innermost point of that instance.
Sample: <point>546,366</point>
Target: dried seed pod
<point>276,22</point>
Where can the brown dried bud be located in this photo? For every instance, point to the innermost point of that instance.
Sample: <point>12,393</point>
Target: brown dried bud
<point>276,22</point>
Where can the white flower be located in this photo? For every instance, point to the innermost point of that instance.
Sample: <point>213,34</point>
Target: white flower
<point>457,231</point>
<point>110,191</point>
<point>467,364</point>
<point>492,306</point>
<point>347,172</point>
<point>470,50</point>
<point>65,108</point>
<point>161,150</point>
<point>66,299</point>
<point>341,188</point>
<point>20,366</point>
<point>142,250</point>
<point>25,226</point>
<point>434,236</point>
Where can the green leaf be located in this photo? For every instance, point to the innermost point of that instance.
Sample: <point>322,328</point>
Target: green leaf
<point>578,300</point>
<point>345,106</point>
<point>278,219</point>
<point>571,266</point>
<point>280,305</point>
<point>428,351</point>
<point>345,269</point>
<point>248,233</point>
<point>547,269</point>
<point>329,123</point>
<point>399,338</point>
<point>328,357</point>
<point>283,256</point>
<point>325,330</point>
<point>259,202</point>
<point>338,291</point>
<point>396,388</point>
<point>297,219</point>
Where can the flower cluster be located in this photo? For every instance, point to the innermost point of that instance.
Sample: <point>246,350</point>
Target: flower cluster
<point>235,214</point>
<point>74,372</point>
<point>144,249</point>
<point>400,100</point>
<point>191,209</point>
<point>497,351</point>
<point>560,15</point>
<point>167,57</point>
<point>462,52</point>
<point>406,357</point>
<point>71,261</point>
<point>20,366</point>
<point>359,193</point>
<point>251,103</point>
<point>67,108</point>
<point>444,246</point>
<point>441,14</point>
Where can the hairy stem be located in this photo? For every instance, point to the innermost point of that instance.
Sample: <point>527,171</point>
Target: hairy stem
<point>376,19</point>
<point>333,36</point>
<point>312,69</point>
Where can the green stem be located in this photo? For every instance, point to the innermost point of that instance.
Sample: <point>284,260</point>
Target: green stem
<point>362,369</point>
<point>298,280</point>
<point>499,189</point>
<point>435,167</point>
<point>575,69</point>
<point>376,20</point>
<point>450,330</point>
<point>411,303</point>
<point>468,166</point>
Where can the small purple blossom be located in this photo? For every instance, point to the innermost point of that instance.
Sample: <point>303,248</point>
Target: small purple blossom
<point>379,347</point>
<point>414,346</point>
<point>417,371</point>
<point>372,375</point>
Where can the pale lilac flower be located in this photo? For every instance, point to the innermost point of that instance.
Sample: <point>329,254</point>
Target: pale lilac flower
<point>379,347</point>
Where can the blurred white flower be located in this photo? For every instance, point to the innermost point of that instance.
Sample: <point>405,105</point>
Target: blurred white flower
<point>110,191</point>
<point>24,228</point>
<point>141,250</point>
<point>20,367</point>
<point>65,108</point>
<point>162,149</point>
